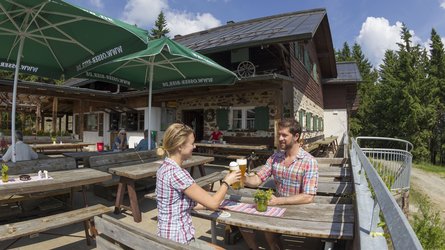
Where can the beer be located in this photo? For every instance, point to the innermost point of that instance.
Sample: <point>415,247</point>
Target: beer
<point>242,163</point>
<point>233,167</point>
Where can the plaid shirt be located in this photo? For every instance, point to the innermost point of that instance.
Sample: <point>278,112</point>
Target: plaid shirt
<point>174,219</point>
<point>301,176</point>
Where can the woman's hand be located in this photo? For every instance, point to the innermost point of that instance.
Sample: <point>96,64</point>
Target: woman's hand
<point>233,177</point>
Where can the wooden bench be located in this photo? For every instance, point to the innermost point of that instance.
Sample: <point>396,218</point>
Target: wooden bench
<point>42,224</point>
<point>114,234</point>
<point>103,163</point>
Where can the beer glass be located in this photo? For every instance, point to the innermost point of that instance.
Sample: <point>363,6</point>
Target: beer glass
<point>233,167</point>
<point>242,163</point>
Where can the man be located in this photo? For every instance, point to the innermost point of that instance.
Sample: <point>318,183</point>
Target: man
<point>143,143</point>
<point>295,173</point>
<point>22,150</point>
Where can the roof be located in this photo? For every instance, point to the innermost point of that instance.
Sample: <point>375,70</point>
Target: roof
<point>272,29</point>
<point>347,72</point>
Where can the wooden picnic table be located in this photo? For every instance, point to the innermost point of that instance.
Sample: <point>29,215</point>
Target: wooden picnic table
<point>60,180</point>
<point>129,174</point>
<point>58,146</point>
<point>328,221</point>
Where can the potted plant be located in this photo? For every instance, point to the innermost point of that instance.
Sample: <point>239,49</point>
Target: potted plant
<point>262,198</point>
<point>5,176</point>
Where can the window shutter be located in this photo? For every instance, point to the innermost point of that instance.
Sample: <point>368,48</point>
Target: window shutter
<point>262,118</point>
<point>315,123</point>
<point>222,118</point>
<point>308,121</point>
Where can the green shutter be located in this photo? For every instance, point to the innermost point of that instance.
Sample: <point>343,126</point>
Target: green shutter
<point>262,118</point>
<point>308,121</point>
<point>222,118</point>
<point>315,123</point>
<point>300,117</point>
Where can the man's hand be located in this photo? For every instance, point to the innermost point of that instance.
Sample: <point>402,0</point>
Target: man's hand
<point>274,201</point>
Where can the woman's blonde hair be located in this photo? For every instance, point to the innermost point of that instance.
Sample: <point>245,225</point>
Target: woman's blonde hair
<point>174,137</point>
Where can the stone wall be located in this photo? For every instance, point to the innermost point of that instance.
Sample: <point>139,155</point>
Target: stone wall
<point>230,99</point>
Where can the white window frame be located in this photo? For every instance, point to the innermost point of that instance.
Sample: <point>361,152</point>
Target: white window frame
<point>243,117</point>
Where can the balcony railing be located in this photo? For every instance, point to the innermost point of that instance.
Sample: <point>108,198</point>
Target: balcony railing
<point>381,165</point>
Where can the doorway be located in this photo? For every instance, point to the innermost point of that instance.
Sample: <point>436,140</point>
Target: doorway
<point>195,119</point>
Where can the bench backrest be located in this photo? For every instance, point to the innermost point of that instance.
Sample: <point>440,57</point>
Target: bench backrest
<point>49,164</point>
<point>104,162</point>
<point>113,231</point>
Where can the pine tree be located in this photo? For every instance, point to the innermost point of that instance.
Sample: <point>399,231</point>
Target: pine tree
<point>436,78</point>
<point>344,55</point>
<point>160,29</point>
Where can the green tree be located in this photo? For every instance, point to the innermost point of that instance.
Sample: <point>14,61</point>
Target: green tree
<point>344,55</point>
<point>160,29</point>
<point>436,79</point>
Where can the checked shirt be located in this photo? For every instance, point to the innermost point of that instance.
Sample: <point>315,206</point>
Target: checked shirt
<point>301,176</point>
<point>174,219</point>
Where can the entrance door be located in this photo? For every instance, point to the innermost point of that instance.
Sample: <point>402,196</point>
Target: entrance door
<point>195,119</point>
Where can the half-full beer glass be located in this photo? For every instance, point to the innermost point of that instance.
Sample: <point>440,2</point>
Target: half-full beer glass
<point>242,163</point>
<point>233,167</point>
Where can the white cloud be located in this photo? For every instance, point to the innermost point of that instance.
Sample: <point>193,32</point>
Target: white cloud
<point>97,3</point>
<point>377,35</point>
<point>182,23</point>
<point>442,4</point>
<point>144,13</point>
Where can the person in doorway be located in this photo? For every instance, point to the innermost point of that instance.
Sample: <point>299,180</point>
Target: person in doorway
<point>143,143</point>
<point>177,192</point>
<point>23,152</point>
<point>120,142</point>
<point>216,135</point>
<point>295,173</point>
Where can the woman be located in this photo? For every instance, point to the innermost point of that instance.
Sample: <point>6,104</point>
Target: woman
<point>120,142</point>
<point>176,191</point>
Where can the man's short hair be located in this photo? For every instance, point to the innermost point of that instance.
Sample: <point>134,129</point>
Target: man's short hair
<point>19,135</point>
<point>146,133</point>
<point>292,124</point>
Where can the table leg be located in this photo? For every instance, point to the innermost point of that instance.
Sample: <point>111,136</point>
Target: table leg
<point>202,170</point>
<point>134,204</point>
<point>213,231</point>
<point>86,224</point>
<point>127,183</point>
<point>119,196</point>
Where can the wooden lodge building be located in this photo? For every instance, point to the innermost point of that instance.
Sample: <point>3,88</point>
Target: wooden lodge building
<point>287,68</point>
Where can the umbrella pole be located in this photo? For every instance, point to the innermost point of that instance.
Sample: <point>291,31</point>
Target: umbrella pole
<point>149,102</point>
<point>14,97</point>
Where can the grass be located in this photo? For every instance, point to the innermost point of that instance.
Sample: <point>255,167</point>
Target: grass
<point>426,223</point>
<point>428,167</point>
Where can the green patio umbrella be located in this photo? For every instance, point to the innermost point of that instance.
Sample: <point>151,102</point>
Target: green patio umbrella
<point>52,38</point>
<point>165,65</point>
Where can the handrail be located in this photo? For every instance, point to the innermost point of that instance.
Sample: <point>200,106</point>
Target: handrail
<point>402,235</point>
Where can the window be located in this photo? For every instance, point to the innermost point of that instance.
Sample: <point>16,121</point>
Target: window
<point>101,124</point>
<point>90,122</point>
<point>242,118</point>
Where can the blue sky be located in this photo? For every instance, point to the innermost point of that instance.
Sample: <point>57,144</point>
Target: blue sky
<point>375,25</point>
